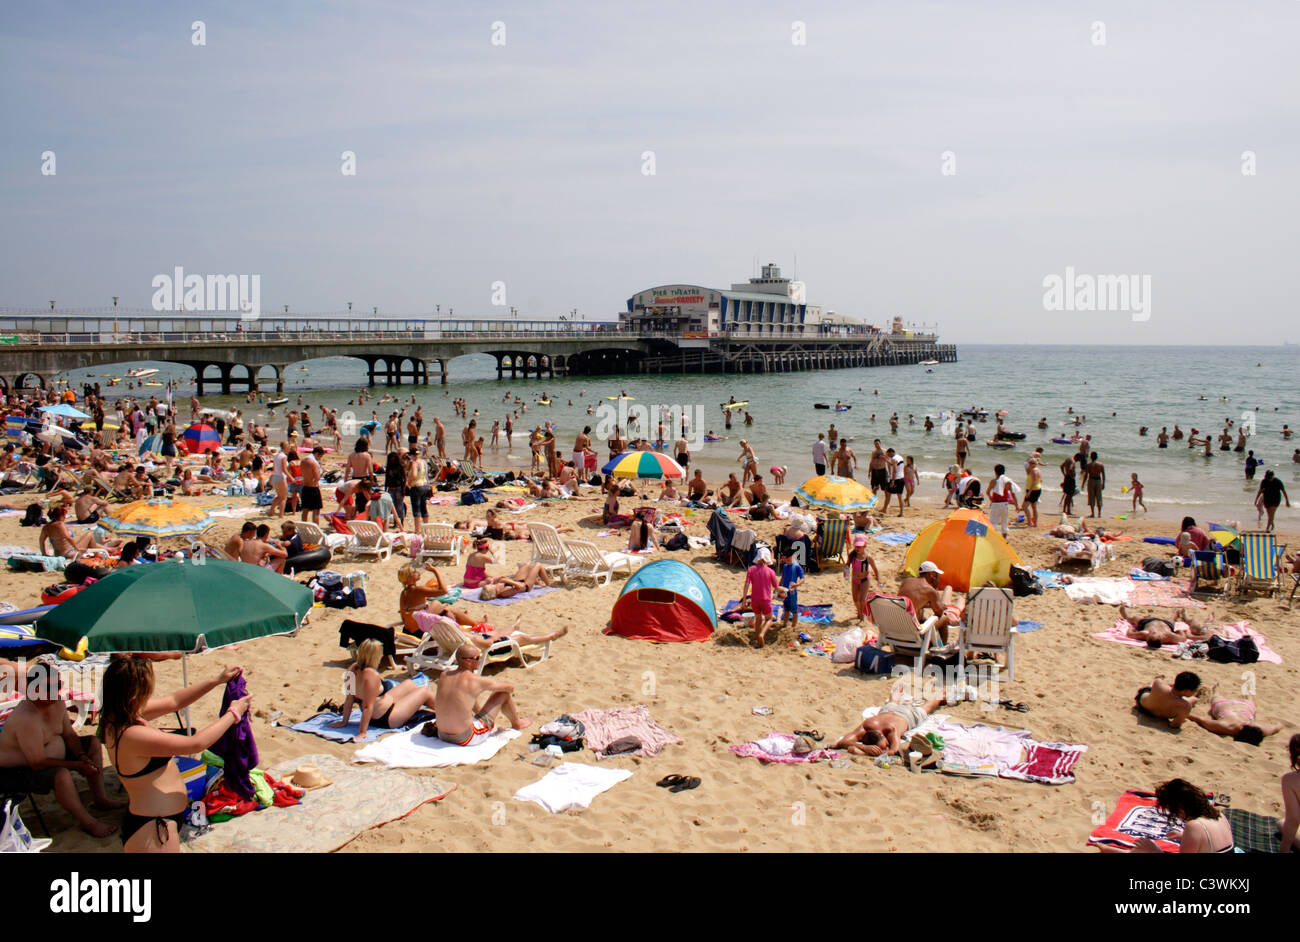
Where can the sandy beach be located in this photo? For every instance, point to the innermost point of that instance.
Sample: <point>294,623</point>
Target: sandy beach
<point>1079,689</point>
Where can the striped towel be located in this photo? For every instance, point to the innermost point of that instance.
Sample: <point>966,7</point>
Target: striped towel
<point>1049,763</point>
<point>606,726</point>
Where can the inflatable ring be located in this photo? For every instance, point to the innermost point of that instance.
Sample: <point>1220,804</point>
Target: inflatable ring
<point>309,561</point>
<point>49,597</point>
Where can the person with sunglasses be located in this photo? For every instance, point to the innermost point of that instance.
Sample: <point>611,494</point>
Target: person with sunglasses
<point>461,721</point>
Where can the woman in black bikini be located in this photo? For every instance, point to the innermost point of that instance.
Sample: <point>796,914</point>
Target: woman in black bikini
<point>157,799</point>
<point>383,704</point>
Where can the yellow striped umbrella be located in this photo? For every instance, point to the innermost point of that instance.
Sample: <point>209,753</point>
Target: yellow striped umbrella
<point>835,493</point>
<point>968,550</point>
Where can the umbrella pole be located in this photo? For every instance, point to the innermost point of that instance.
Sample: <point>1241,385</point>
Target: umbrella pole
<point>185,682</point>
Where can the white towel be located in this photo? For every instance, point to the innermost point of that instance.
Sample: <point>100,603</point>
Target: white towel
<point>1099,590</point>
<point>414,750</point>
<point>572,785</point>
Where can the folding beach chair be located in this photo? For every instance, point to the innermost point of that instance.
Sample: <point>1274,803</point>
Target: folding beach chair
<point>832,537</point>
<point>742,546</point>
<point>586,561</point>
<point>440,542</point>
<point>987,623</point>
<point>899,630</point>
<point>1209,572</point>
<point>1261,563</point>
<point>548,548</point>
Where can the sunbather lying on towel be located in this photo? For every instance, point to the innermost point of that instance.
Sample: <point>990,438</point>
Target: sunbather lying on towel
<point>1156,631</point>
<point>1235,718</point>
<point>883,733</point>
<point>387,707</point>
<point>525,579</point>
<point>1172,702</point>
<point>461,721</point>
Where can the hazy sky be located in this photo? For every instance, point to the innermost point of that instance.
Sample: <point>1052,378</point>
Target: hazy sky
<point>522,163</point>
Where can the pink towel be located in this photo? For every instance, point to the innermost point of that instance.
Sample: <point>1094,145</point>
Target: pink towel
<point>1171,594</point>
<point>1231,632</point>
<point>777,750</point>
<point>1050,763</point>
<point>605,726</point>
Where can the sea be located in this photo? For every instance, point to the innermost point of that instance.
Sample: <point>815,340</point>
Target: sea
<point>1112,390</point>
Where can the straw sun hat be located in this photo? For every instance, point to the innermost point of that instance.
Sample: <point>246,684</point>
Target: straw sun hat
<point>307,777</point>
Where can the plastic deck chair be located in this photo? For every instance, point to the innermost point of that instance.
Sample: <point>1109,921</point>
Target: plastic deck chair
<point>368,540</point>
<point>440,541</point>
<point>1260,568</point>
<point>988,620</point>
<point>548,548</point>
<point>586,561</point>
<point>898,629</point>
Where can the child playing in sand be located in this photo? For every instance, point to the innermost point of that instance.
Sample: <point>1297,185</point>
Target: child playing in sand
<point>1136,488</point>
<point>856,571</point>
<point>761,579</point>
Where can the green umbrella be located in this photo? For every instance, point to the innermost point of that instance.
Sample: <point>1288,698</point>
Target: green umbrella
<point>184,606</point>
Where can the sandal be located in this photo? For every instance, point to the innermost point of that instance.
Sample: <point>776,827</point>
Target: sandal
<point>687,783</point>
<point>670,780</point>
<point>813,734</point>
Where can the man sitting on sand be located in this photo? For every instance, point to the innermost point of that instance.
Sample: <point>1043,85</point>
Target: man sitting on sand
<point>923,590</point>
<point>39,751</point>
<point>460,721</point>
<point>882,734</point>
<point>1235,718</point>
<point>729,494</point>
<point>1172,702</point>
<point>1157,631</point>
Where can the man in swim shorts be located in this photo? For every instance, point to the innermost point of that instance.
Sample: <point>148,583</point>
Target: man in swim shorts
<point>1156,631</point>
<point>883,733</point>
<point>460,721</point>
<point>1172,702</point>
<point>923,590</point>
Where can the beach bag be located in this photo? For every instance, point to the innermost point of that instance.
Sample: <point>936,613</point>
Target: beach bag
<point>1242,651</point>
<point>1023,582</point>
<point>336,598</point>
<point>678,541</point>
<point>1160,566</point>
<point>473,497</point>
<point>846,646</point>
<point>873,660</point>
<point>14,836</point>
<point>356,597</point>
<point>329,579</point>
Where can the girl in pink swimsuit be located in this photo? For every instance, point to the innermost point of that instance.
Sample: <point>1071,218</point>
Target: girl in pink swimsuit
<point>859,569</point>
<point>476,565</point>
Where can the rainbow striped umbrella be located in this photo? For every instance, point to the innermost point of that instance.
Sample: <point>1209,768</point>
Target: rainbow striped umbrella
<point>644,464</point>
<point>200,438</point>
<point>968,550</point>
<point>833,492</point>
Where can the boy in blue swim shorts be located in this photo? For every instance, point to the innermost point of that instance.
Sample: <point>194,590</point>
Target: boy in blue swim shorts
<point>792,576</point>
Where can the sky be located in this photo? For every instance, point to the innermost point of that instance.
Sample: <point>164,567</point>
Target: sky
<point>937,161</point>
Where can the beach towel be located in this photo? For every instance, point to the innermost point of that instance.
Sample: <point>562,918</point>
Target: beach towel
<point>1256,833</point>
<point>326,818</point>
<point>236,746</point>
<point>571,785</point>
<point>606,726</point>
<point>894,539</point>
<point>442,500</point>
<point>1233,632</point>
<point>1049,579</point>
<point>1135,815</point>
<point>1098,590</point>
<point>1137,574</point>
<point>319,725</point>
<point>1048,763</point>
<point>1025,626</point>
<point>414,750</point>
<point>816,614</point>
<point>981,750</point>
<point>519,510</point>
<point>472,595</point>
<point>1174,593</point>
<point>779,748</point>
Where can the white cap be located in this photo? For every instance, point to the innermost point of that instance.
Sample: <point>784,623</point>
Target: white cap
<point>928,566</point>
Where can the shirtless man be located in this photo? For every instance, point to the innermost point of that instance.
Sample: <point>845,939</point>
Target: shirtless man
<point>757,492</point>
<point>923,590</point>
<point>88,507</point>
<point>260,551</point>
<point>467,438</point>
<point>440,437</point>
<point>1235,718</point>
<point>235,545</point>
<point>697,489</point>
<point>1156,631</point>
<point>844,459</point>
<point>882,734</point>
<point>311,473</point>
<point>581,445</point>
<point>878,470</point>
<point>1172,702</point>
<point>461,721</point>
<point>39,751</point>
<point>63,543</point>
<point>729,494</point>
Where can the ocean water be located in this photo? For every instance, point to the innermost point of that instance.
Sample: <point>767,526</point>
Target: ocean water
<point>1118,389</point>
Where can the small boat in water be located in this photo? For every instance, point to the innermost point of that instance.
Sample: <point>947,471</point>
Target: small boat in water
<point>276,402</point>
<point>929,363</point>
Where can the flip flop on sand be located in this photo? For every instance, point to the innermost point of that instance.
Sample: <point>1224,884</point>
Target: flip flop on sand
<point>670,780</point>
<point>813,734</point>
<point>687,783</point>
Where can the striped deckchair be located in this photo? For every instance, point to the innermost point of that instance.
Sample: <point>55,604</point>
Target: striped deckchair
<point>1260,568</point>
<point>831,538</point>
<point>1209,572</point>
